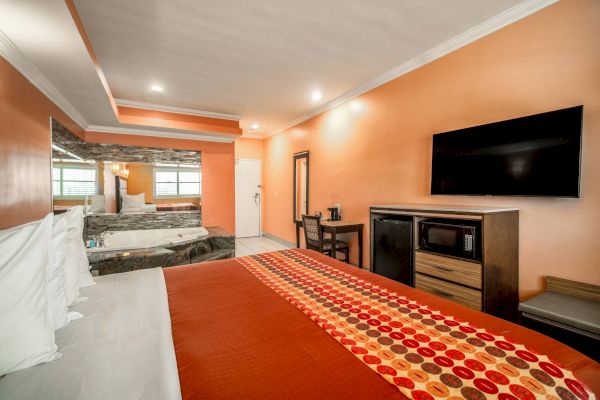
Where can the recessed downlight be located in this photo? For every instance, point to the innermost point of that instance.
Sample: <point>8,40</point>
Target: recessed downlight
<point>356,105</point>
<point>254,126</point>
<point>316,95</point>
<point>156,88</point>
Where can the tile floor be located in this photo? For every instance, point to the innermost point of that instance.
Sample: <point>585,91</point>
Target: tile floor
<point>255,245</point>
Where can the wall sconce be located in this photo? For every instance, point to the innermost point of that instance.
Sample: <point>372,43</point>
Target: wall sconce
<point>114,169</point>
<point>119,169</point>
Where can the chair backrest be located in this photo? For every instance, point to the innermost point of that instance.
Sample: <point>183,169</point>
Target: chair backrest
<point>312,232</point>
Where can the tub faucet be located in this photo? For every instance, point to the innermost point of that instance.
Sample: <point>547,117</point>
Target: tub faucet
<point>100,241</point>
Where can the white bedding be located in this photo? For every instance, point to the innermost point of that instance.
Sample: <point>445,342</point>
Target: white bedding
<point>121,349</point>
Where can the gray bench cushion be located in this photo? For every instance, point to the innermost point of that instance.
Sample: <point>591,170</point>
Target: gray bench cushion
<point>568,310</point>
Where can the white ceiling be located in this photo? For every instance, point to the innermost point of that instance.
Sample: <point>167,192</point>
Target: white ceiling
<point>260,59</point>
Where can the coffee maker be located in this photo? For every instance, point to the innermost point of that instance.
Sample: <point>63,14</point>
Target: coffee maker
<point>335,214</point>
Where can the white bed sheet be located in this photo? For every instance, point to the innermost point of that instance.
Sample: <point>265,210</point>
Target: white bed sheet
<point>121,349</point>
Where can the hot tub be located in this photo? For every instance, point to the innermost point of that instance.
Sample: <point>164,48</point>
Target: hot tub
<point>145,239</point>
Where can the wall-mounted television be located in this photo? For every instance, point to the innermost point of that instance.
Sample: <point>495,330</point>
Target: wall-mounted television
<point>538,155</point>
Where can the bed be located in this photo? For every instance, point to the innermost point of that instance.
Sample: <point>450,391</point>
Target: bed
<point>241,329</point>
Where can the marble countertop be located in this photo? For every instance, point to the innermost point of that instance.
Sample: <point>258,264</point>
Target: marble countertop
<point>106,255</point>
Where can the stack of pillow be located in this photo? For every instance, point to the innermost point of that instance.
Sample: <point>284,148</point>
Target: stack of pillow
<point>43,265</point>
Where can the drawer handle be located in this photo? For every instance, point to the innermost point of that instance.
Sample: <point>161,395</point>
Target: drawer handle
<point>443,268</point>
<point>439,292</point>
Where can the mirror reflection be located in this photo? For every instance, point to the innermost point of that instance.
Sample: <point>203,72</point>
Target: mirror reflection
<point>125,188</point>
<point>300,185</point>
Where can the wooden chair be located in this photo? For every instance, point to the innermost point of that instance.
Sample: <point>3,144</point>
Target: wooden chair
<point>313,236</point>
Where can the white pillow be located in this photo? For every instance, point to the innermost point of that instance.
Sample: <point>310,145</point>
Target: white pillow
<point>71,264</point>
<point>135,202</point>
<point>85,276</point>
<point>57,299</point>
<point>76,265</point>
<point>26,333</point>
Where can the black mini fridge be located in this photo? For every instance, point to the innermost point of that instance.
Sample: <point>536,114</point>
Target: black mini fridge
<point>393,249</point>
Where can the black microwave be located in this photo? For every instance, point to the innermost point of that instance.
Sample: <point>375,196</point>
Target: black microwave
<point>455,238</point>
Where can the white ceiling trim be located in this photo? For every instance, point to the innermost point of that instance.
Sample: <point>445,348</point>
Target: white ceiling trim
<point>248,135</point>
<point>11,53</point>
<point>176,110</point>
<point>223,138</point>
<point>498,22</point>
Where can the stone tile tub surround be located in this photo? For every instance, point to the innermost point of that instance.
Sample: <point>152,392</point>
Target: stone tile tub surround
<point>67,140</point>
<point>219,244</point>
<point>95,224</point>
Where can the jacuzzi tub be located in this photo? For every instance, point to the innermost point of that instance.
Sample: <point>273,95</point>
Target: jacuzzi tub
<point>144,239</point>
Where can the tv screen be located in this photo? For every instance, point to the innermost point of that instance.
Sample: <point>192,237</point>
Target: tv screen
<point>537,155</point>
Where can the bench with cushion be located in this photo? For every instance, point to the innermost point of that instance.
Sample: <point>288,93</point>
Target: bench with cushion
<point>569,312</point>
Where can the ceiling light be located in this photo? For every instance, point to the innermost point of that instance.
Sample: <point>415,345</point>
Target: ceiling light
<point>156,88</point>
<point>316,95</point>
<point>254,126</point>
<point>356,105</point>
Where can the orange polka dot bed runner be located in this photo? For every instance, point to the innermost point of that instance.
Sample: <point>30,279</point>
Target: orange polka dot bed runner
<point>425,354</point>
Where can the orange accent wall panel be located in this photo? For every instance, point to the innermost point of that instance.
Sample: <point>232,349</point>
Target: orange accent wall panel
<point>249,148</point>
<point>25,189</point>
<point>161,119</point>
<point>378,150</point>
<point>218,179</point>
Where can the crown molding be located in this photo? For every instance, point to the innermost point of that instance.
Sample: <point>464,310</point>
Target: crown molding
<point>176,110</point>
<point>493,24</point>
<point>248,135</point>
<point>119,130</point>
<point>11,53</point>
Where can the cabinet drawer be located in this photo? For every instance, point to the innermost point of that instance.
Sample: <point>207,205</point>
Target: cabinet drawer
<point>451,269</point>
<point>459,294</point>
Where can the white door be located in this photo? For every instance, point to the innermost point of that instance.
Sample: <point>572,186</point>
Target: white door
<point>247,198</point>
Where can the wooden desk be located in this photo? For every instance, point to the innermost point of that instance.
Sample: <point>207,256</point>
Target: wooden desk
<point>335,227</point>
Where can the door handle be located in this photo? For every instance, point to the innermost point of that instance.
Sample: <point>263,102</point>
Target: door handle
<point>443,268</point>
<point>257,198</point>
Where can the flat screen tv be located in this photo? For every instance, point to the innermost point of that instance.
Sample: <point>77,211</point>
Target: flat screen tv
<point>538,155</point>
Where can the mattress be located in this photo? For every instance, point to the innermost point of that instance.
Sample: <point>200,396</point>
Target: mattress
<point>121,349</point>
<point>236,338</point>
<point>215,331</point>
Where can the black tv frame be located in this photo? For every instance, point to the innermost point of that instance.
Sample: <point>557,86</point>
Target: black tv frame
<point>578,195</point>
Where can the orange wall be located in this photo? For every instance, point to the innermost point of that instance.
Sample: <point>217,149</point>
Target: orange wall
<point>249,148</point>
<point>25,191</point>
<point>141,180</point>
<point>382,153</point>
<point>218,179</point>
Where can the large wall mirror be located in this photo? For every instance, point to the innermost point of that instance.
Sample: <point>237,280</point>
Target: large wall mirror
<point>300,185</point>
<point>122,179</point>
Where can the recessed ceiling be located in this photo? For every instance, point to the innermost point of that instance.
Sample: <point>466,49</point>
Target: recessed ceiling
<point>262,60</point>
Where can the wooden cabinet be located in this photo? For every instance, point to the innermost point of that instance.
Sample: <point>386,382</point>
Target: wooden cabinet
<point>451,291</point>
<point>489,284</point>
<point>463,272</point>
